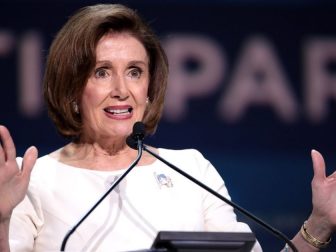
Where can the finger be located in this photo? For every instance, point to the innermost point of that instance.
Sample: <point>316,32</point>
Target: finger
<point>332,177</point>
<point>29,160</point>
<point>8,146</point>
<point>2,153</point>
<point>318,166</point>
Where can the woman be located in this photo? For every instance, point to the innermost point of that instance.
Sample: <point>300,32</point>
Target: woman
<point>105,71</point>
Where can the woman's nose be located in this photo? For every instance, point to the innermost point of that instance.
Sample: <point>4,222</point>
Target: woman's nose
<point>119,88</point>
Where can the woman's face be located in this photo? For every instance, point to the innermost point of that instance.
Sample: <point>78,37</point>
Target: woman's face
<point>115,94</point>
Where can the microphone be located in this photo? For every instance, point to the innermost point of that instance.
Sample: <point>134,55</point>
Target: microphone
<point>131,143</point>
<point>138,135</point>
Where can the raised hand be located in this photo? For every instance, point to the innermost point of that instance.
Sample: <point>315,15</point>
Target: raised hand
<point>13,180</point>
<point>323,217</point>
<point>322,222</point>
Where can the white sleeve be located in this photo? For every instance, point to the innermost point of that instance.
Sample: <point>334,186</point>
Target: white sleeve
<point>218,215</point>
<point>26,221</point>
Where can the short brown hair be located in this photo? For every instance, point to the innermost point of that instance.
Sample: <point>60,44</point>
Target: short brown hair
<point>72,57</point>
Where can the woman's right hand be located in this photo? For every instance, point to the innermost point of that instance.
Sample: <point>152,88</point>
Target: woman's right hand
<point>13,180</point>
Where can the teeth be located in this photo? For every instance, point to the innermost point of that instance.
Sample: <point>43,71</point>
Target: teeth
<point>118,111</point>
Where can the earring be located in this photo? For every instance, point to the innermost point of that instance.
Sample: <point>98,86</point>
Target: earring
<point>75,107</point>
<point>147,100</point>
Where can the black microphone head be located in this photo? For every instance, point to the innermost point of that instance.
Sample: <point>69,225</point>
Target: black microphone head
<point>131,142</point>
<point>137,134</point>
<point>138,131</point>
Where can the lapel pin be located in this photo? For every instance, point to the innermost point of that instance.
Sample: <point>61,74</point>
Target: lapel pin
<point>163,180</point>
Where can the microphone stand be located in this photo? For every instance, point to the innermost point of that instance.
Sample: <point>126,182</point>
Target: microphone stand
<point>135,162</point>
<point>235,206</point>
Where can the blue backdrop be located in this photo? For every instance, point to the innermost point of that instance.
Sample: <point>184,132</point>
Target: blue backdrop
<point>252,87</point>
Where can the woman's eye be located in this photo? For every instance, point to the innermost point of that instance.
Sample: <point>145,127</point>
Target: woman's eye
<point>101,73</point>
<point>135,73</point>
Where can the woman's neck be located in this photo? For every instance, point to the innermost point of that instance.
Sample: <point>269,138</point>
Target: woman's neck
<point>99,156</point>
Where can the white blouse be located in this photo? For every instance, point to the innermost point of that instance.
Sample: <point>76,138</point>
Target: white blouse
<point>151,198</point>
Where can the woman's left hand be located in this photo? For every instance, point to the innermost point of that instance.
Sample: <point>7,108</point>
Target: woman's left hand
<point>322,221</point>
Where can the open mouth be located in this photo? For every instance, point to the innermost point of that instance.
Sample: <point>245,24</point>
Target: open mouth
<point>124,111</point>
